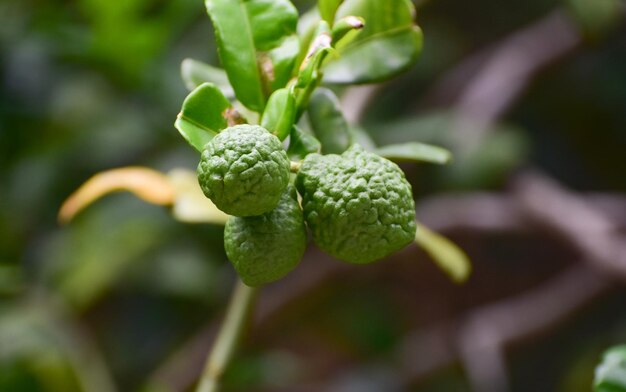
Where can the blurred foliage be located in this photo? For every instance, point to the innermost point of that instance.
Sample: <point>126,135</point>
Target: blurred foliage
<point>611,373</point>
<point>93,84</point>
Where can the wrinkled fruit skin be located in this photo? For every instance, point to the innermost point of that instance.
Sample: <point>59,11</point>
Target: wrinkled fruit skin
<point>358,205</point>
<point>244,170</point>
<point>265,248</point>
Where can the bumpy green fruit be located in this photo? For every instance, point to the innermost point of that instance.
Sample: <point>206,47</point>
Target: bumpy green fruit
<point>265,248</point>
<point>244,170</point>
<point>358,205</point>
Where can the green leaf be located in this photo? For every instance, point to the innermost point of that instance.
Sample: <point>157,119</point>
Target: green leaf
<point>318,50</point>
<point>302,143</point>
<point>449,257</point>
<point>309,76</point>
<point>279,64</point>
<point>271,21</point>
<point>244,29</point>
<point>346,25</point>
<point>328,123</point>
<point>388,45</point>
<point>611,373</point>
<point>415,152</point>
<point>280,113</point>
<point>205,112</point>
<point>195,73</point>
<point>328,9</point>
<point>307,26</point>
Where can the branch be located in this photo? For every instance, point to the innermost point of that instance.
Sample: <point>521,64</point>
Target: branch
<point>576,221</point>
<point>489,82</point>
<point>500,212</point>
<point>237,316</point>
<point>487,330</point>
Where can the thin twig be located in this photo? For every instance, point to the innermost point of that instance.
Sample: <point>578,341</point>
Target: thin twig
<point>237,316</point>
<point>179,370</point>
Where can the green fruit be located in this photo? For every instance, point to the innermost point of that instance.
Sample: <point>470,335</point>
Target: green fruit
<point>244,170</point>
<point>358,205</point>
<point>265,248</point>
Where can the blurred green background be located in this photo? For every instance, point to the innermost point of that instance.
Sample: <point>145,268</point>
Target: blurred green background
<point>118,299</point>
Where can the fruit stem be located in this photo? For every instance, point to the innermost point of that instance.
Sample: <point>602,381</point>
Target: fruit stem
<point>237,317</point>
<point>295,166</point>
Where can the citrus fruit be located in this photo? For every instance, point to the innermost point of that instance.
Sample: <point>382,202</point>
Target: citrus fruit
<point>244,170</point>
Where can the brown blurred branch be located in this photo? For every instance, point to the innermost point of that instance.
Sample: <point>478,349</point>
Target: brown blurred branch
<point>589,224</point>
<point>486,84</point>
<point>595,235</point>
<point>486,331</point>
<point>497,212</point>
<point>480,338</point>
<point>513,62</point>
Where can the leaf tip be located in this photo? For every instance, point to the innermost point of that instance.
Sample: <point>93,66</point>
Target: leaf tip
<point>446,254</point>
<point>355,22</point>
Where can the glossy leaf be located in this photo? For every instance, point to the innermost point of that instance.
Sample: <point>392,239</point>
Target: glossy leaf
<point>328,123</point>
<point>195,73</point>
<point>205,112</point>
<point>348,24</point>
<point>307,26</point>
<point>243,30</point>
<point>280,113</point>
<point>279,64</point>
<point>271,21</point>
<point>418,152</point>
<point>611,373</point>
<point>388,45</point>
<point>302,143</point>
<point>309,76</point>
<point>318,50</point>
<point>328,9</point>
<point>449,257</point>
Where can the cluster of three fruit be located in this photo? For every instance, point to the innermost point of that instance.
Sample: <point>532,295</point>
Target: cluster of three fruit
<point>358,205</point>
